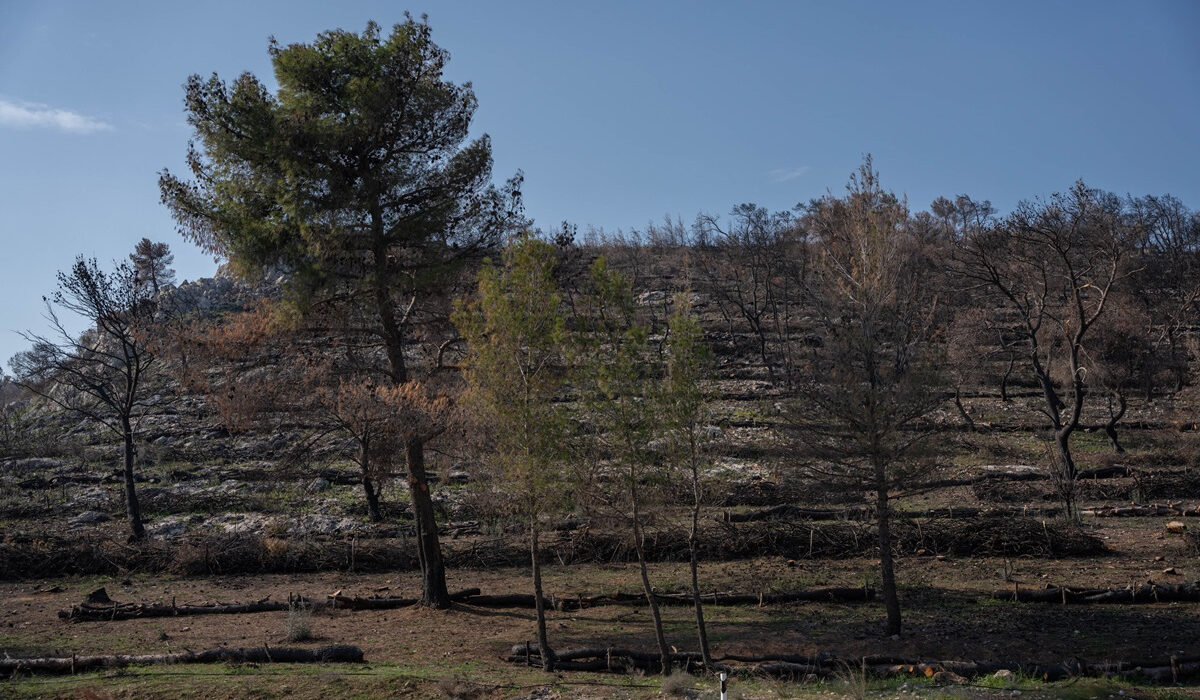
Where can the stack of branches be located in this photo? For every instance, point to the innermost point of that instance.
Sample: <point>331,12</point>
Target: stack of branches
<point>98,607</point>
<point>1145,593</point>
<point>335,653</point>
<point>997,537</point>
<point>721,540</point>
<point>199,554</point>
<point>999,491</point>
<point>1122,483</point>
<point>1175,483</point>
<point>222,554</point>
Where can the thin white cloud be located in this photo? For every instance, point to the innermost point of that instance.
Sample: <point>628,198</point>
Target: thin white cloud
<point>30,115</point>
<point>785,174</point>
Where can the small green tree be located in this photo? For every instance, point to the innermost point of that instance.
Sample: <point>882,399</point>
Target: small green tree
<point>684,406</point>
<point>152,261</point>
<point>617,370</point>
<point>514,370</point>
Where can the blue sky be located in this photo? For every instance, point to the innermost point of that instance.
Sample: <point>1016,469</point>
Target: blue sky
<point>618,112</point>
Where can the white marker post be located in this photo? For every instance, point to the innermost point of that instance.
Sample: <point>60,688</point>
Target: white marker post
<point>724,686</point>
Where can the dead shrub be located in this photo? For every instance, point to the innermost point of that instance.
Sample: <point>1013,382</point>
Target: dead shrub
<point>457,689</point>
<point>299,623</point>
<point>678,685</point>
<point>1183,483</point>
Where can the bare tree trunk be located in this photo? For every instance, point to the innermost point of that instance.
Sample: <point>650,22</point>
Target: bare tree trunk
<point>891,598</point>
<point>1110,428</point>
<point>132,510</point>
<point>693,547</point>
<point>1066,467</point>
<point>373,512</point>
<point>962,410</point>
<point>1012,359</point>
<point>539,599</point>
<point>429,551</point>
<point>364,464</point>
<point>1180,368</point>
<point>655,613</point>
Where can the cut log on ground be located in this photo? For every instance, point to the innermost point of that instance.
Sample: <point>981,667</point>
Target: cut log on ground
<point>799,666</point>
<point>1146,593</point>
<point>337,653</point>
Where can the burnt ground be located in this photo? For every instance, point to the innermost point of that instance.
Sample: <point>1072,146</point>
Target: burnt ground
<point>212,484</point>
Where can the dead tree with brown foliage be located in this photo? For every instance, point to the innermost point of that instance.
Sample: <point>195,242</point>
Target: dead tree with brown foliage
<point>873,376</point>
<point>258,367</point>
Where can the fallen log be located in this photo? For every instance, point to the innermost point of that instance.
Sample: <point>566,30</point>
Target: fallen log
<point>388,603</point>
<point>1143,511</point>
<point>824,665</point>
<point>1146,593</point>
<point>337,653</point>
<point>99,608</point>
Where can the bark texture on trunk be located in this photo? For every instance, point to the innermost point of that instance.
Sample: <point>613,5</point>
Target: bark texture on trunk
<point>891,598</point>
<point>539,600</point>
<point>1012,359</point>
<point>373,511</point>
<point>132,509</point>
<point>364,464</point>
<point>1114,417</point>
<point>651,600</point>
<point>693,556</point>
<point>962,410</point>
<point>429,550</point>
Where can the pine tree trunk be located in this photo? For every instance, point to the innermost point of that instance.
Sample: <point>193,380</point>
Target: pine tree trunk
<point>132,509</point>
<point>693,556</point>
<point>429,551</point>
<point>891,598</point>
<point>539,599</point>
<point>655,613</point>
